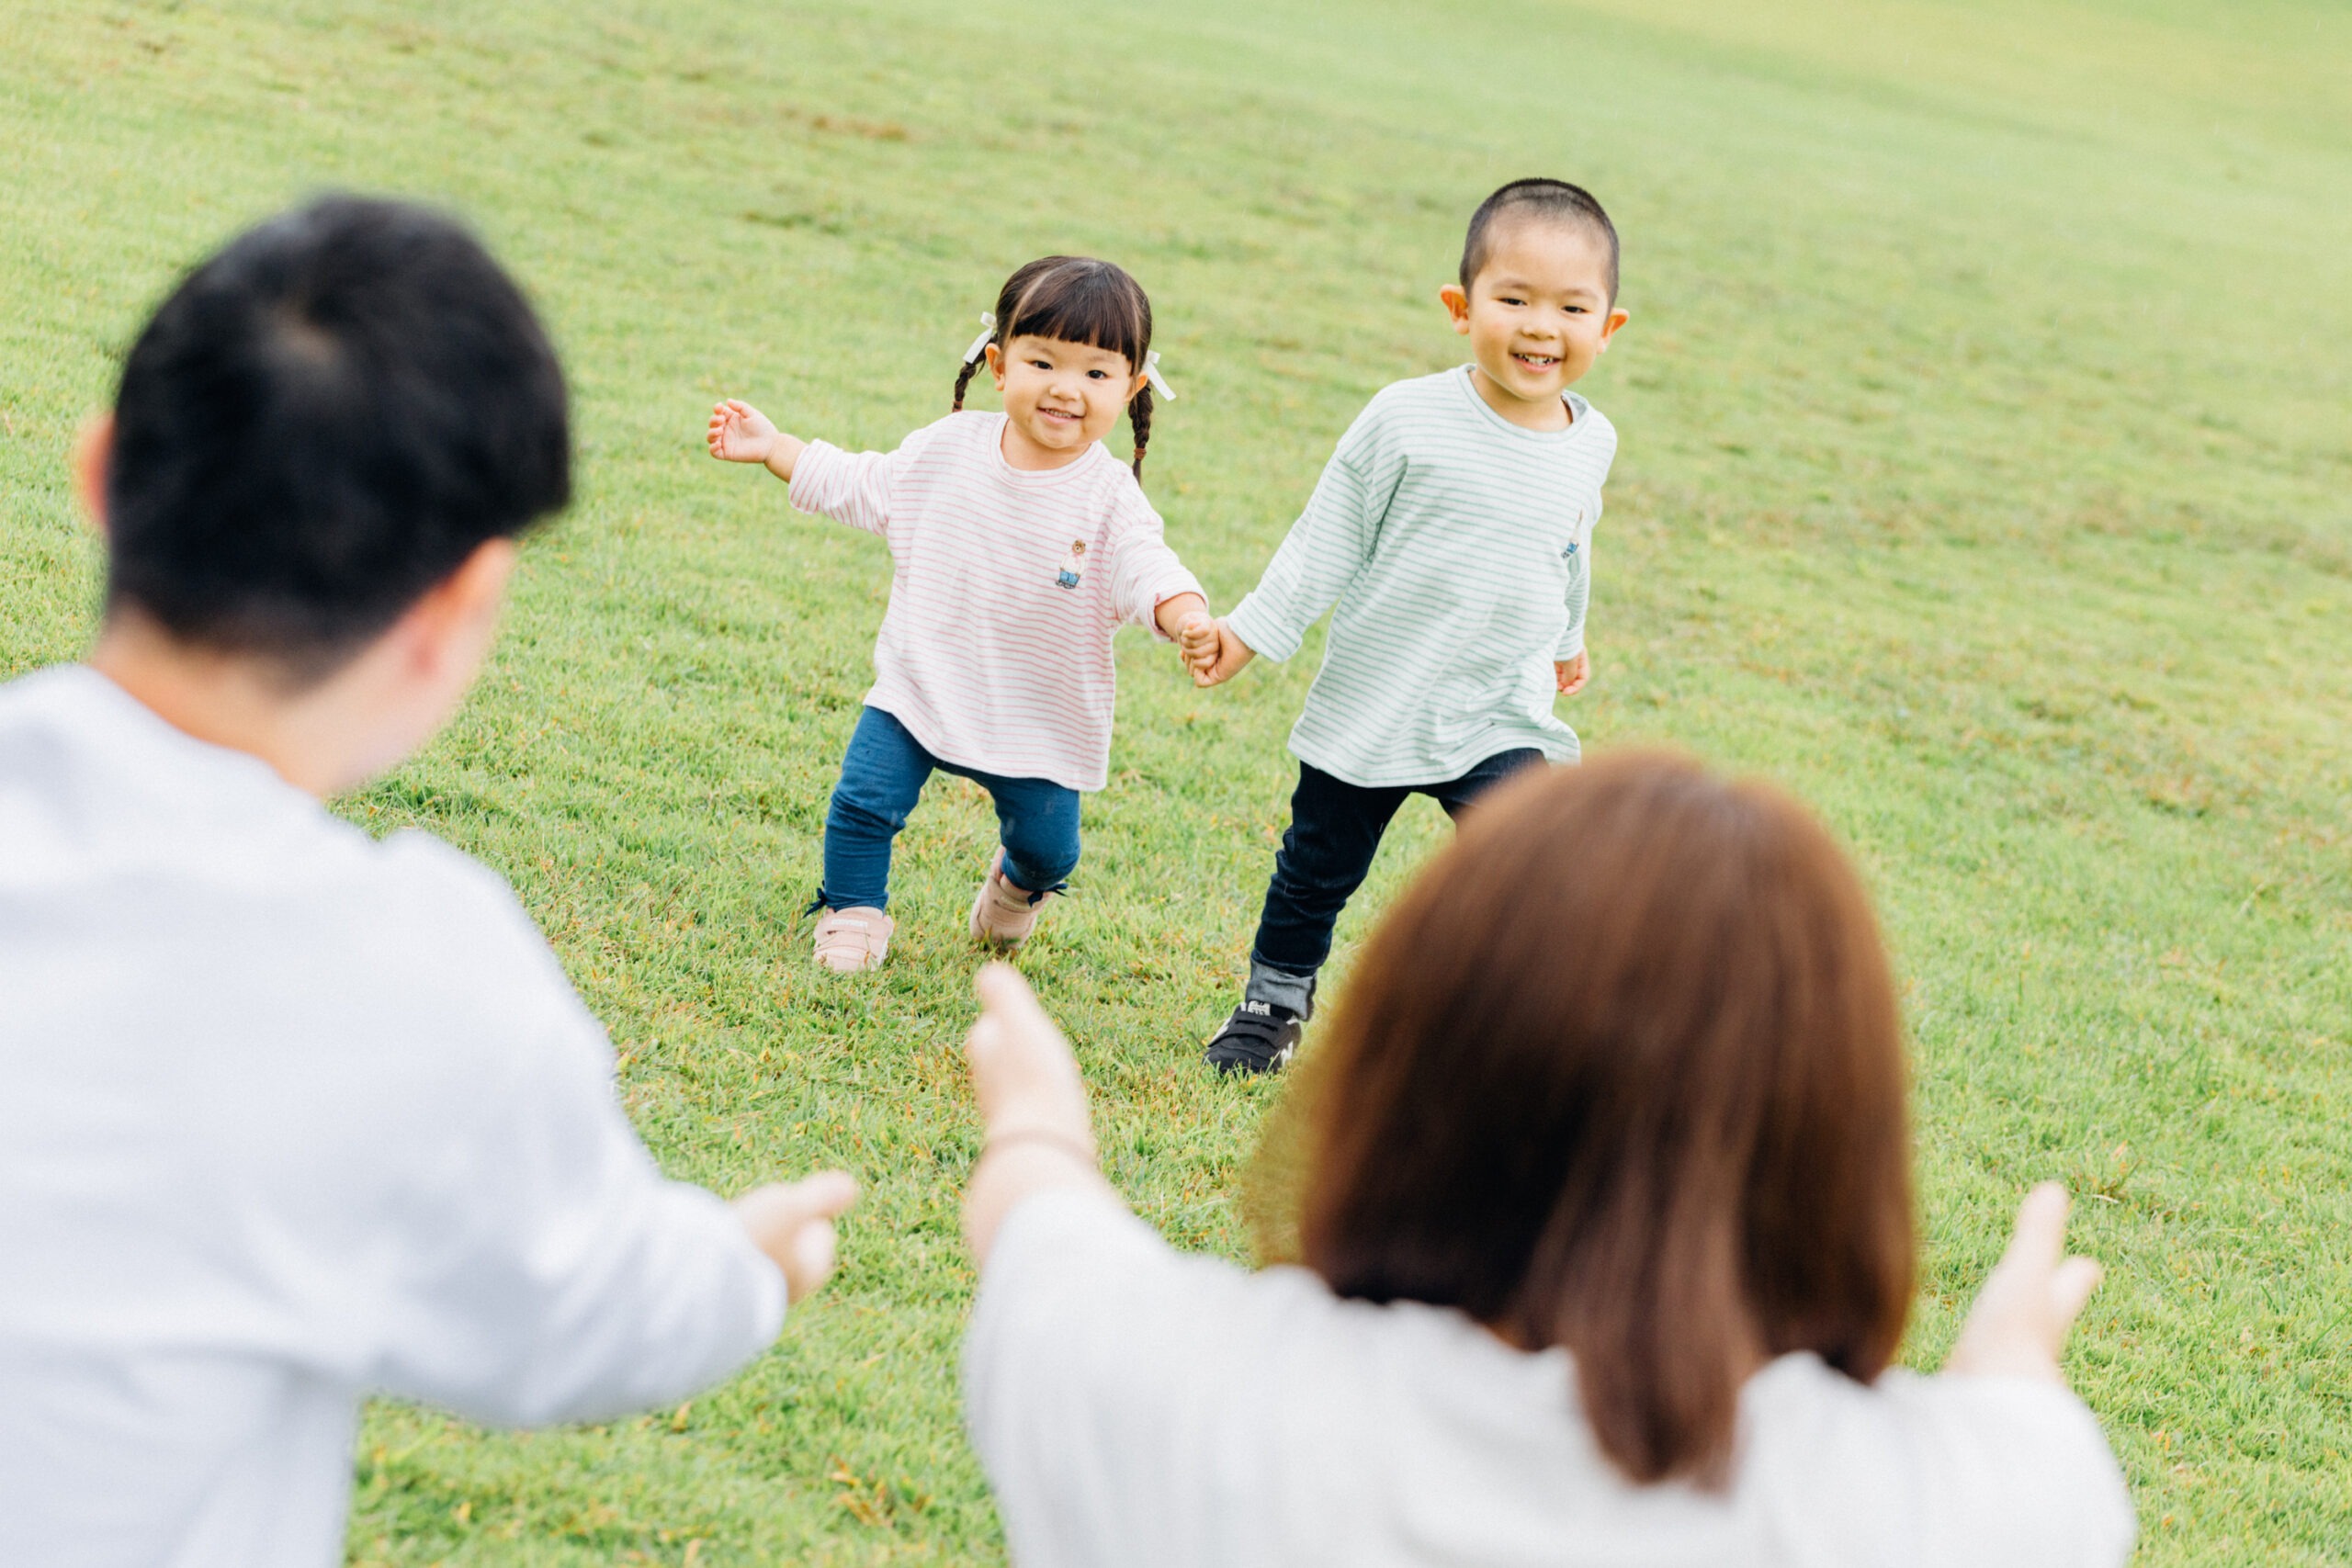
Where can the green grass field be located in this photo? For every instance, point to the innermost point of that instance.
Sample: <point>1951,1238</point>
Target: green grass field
<point>1983,478</point>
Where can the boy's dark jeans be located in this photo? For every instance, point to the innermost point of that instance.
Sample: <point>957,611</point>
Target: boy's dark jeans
<point>1335,829</point>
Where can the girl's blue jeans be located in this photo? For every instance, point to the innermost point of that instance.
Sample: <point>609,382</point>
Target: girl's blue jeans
<point>883,776</point>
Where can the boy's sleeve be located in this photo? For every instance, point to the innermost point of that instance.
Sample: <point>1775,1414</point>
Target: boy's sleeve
<point>1579,596</point>
<point>1145,573</point>
<point>848,487</point>
<point>555,1274</point>
<point>1327,546</point>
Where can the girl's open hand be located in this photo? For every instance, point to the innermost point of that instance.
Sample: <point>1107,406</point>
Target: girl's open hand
<point>2030,1300</point>
<point>739,433</point>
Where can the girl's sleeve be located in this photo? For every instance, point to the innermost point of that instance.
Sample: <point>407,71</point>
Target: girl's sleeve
<point>1145,573</point>
<point>1327,546</point>
<point>849,487</point>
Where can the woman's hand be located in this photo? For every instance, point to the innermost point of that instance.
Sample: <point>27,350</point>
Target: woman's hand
<point>792,1222</point>
<point>1033,1118</point>
<point>2030,1300</point>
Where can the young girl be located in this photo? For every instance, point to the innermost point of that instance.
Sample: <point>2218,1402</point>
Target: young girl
<point>1604,1205</point>
<point>1020,545</point>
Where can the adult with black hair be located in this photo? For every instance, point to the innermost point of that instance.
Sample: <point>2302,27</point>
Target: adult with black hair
<point>292,1115</point>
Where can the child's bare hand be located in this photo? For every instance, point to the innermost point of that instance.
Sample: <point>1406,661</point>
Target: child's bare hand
<point>1196,641</point>
<point>1572,673</point>
<point>1231,654</point>
<point>739,433</point>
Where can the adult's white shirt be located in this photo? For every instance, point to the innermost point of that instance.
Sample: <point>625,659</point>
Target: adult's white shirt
<point>289,1115</point>
<point>1146,1408</point>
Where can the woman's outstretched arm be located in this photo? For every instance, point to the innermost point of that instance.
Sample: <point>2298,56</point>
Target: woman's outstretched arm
<point>1036,1133</point>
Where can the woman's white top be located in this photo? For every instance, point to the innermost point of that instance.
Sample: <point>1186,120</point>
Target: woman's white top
<point>1136,1405</point>
<point>289,1116</point>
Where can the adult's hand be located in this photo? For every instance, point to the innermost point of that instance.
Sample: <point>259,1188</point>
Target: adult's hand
<point>2030,1300</point>
<point>1032,1106</point>
<point>792,1222</point>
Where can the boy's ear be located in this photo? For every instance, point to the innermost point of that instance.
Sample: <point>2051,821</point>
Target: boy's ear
<point>996,363</point>
<point>1457,300</point>
<point>1608,327</point>
<point>92,457</point>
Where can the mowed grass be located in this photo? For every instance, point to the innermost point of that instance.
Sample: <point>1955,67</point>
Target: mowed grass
<point>1983,479</point>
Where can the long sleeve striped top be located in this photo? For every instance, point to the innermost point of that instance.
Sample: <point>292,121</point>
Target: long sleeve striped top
<point>1458,548</point>
<point>1008,585</point>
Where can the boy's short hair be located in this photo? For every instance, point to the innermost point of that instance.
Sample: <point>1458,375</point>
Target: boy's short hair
<point>1554,199</point>
<point>322,422</point>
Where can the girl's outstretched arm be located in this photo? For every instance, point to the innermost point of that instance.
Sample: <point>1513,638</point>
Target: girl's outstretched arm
<point>741,434</point>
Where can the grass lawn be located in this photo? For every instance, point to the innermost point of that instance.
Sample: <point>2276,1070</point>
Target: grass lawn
<point>1984,478</point>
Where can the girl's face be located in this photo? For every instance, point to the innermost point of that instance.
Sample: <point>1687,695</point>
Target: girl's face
<point>1059,398</point>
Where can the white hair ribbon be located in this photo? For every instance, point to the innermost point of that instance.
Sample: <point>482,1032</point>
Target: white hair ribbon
<point>988,331</point>
<point>1158,382</point>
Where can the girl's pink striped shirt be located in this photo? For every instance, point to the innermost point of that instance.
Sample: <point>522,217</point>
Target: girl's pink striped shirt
<point>996,651</point>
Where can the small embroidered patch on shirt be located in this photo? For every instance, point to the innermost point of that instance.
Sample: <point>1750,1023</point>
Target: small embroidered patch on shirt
<point>1073,564</point>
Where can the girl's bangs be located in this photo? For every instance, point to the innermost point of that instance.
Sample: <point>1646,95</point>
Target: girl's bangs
<point>1095,305</point>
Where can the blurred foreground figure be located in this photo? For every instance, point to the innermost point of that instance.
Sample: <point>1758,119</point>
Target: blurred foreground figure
<point>1605,1219</point>
<point>289,1115</point>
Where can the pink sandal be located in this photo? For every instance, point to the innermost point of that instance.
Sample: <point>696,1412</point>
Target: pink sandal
<point>852,939</point>
<point>1002,913</point>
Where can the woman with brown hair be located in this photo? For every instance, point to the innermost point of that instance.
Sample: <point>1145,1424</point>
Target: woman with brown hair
<point>1605,1219</point>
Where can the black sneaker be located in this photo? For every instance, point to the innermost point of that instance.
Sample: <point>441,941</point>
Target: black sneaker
<point>1258,1038</point>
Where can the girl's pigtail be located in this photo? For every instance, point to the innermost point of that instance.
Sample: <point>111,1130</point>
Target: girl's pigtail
<point>974,354</point>
<point>1139,417</point>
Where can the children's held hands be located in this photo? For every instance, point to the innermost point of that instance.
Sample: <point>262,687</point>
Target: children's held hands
<point>741,434</point>
<point>792,1222</point>
<point>1197,641</point>
<point>1183,620</point>
<point>1223,661</point>
<point>2030,1300</point>
<point>1036,1132</point>
<point>1572,673</point>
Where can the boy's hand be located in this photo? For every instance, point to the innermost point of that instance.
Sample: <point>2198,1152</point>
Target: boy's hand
<point>1226,661</point>
<point>1572,673</point>
<point>2030,1300</point>
<point>792,1222</point>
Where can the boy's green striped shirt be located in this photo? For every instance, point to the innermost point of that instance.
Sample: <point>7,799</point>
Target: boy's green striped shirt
<point>1458,548</point>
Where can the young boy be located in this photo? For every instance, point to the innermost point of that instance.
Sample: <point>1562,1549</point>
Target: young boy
<point>290,1115</point>
<point>1454,528</point>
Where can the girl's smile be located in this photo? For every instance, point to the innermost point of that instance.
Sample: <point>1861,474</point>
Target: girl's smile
<point>1059,398</point>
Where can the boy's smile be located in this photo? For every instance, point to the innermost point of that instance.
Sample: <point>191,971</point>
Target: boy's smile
<point>1537,315</point>
<point>1059,398</point>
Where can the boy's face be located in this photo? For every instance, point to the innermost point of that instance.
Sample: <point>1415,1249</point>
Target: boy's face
<point>1061,397</point>
<point>1538,313</point>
